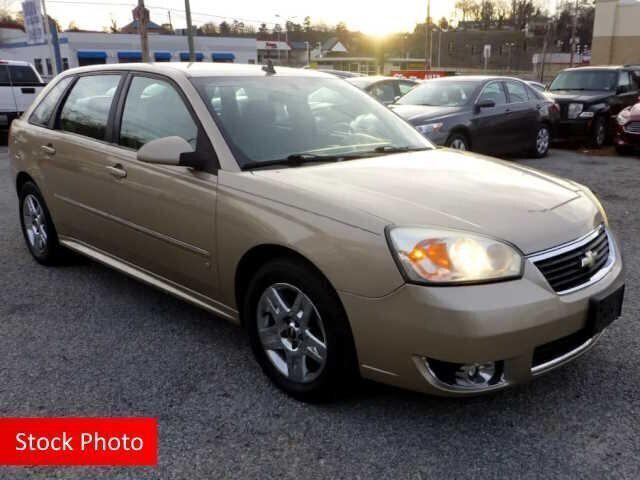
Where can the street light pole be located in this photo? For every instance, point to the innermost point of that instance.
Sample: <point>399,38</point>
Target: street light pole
<point>427,41</point>
<point>48,35</point>
<point>192,48</point>
<point>574,31</point>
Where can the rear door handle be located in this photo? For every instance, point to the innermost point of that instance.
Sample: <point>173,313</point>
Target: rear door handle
<point>117,171</point>
<point>48,149</point>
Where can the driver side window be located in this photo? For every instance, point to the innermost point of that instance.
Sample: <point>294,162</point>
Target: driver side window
<point>154,109</point>
<point>493,92</point>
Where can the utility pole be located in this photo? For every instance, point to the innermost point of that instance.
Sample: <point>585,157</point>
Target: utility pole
<point>170,22</point>
<point>47,34</point>
<point>141,14</point>
<point>574,31</point>
<point>427,41</point>
<point>545,45</point>
<point>192,48</point>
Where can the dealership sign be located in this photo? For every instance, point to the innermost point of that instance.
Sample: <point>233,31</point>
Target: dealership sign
<point>33,21</point>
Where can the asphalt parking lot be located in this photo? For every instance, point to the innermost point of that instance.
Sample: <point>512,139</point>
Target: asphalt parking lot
<point>83,340</point>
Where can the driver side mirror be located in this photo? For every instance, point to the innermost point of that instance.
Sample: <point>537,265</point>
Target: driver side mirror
<point>484,104</point>
<point>167,151</point>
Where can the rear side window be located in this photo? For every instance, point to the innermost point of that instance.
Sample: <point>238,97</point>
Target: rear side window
<point>154,109</point>
<point>86,110</point>
<point>22,76</point>
<point>517,92</point>
<point>42,114</point>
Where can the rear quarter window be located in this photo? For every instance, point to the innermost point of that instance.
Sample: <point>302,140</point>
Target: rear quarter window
<point>43,112</point>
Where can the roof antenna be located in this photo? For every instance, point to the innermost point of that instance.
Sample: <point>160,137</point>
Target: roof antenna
<point>268,68</point>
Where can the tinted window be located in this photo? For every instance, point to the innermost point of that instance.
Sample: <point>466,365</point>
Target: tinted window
<point>440,93</point>
<point>493,92</point>
<point>154,109</point>
<point>4,76</point>
<point>405,87</point>
<point>586,80</point>
<point>42,114</point>
<point>23,75</point>
<point>517,92</point>
<point>635,80</point>
<point>385,92</point>
<point>625,81</point>
<point>86,110</point>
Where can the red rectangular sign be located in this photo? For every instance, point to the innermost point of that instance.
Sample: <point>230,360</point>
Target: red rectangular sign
<point>79,441</point>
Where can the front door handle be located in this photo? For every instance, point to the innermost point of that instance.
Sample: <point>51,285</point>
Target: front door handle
<point>48,149</point>
<point>117,171</point>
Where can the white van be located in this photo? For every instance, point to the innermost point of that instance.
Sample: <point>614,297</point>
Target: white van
<point>20,83</point>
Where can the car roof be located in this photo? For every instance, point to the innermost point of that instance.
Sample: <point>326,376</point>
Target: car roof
<point>370,80</point>
<point>15,62</point>
<point>601,67</point>
<point>201,69</point>
<point>471,78</point>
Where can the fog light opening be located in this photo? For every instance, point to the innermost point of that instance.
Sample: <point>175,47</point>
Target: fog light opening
<point>475,376</point>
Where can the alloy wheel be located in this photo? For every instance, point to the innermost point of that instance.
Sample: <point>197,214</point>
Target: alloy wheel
<point>600,134</point>
<point>35,224</point>
<point>458,144</point>
<point>292,333</point>
<point>542,141</point>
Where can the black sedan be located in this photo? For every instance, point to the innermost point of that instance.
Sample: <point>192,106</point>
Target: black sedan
<point>384,89</point>
<point>493,115</point>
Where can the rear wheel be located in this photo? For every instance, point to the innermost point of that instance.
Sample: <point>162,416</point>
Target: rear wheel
<point>458,141</point>
<point>37,226</point>
<point>299,332</point>
<point>542,142</point>
<point>599,132</point>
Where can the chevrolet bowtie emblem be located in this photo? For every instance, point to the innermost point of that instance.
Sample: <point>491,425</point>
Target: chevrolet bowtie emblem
<point>589,259</point>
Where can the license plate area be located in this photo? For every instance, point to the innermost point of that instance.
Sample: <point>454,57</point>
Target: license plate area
<point>603,310</point>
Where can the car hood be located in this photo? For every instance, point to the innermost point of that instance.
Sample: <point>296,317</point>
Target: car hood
<point>442,188</point>
<point>413,113</point>
<point>580,96</point>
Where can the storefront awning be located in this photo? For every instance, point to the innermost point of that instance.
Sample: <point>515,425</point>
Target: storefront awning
<point>223,57</point>
<point>130,55</point>
<point>91,54</point>
<point>184,56</point>
<point>162,56</point>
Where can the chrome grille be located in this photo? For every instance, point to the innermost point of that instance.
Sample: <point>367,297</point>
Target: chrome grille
<point>577,264</point>
<point>632,127</point>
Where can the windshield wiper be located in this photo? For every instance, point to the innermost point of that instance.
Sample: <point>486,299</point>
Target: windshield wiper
<point>392,149</point>
<point>297,159</point>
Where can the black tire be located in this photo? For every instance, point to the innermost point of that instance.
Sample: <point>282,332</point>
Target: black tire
<point>458,141</point>
<point>340,367</point>
<point>599,133</point>
<point>623,150</point>
<point>541,142</point>
<point>51,252</point>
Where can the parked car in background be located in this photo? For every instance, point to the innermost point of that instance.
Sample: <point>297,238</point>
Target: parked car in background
<point>20,83</point>
<point>590,98</point>
<point>344,248</point>
<point>627,137</point>
<point>492,115</point>
<point>384,89</point>
<point>541,87</point>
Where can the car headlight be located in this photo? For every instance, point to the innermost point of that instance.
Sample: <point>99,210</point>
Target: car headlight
<point>623,118</point>
<point>438,256</point>
<point>429,128</point>
<point>575,109</point>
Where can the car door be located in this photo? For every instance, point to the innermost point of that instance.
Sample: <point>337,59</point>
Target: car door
<point>74,164</point>
<point>26,84</point>
<point>489,126</point>
<point>165,214</point>
<point>523,116</point>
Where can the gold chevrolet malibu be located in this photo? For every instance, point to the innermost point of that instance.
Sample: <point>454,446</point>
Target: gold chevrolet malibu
<point>293,204</point>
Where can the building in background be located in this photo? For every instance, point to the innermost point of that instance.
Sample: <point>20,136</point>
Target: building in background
<point>81,48</point>
<point>616,32</point>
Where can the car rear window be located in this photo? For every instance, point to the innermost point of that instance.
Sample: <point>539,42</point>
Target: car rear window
<point>42,113</point>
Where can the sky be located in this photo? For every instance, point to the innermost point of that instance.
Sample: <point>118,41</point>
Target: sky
<point>375,17</point>
<point>369,16</point>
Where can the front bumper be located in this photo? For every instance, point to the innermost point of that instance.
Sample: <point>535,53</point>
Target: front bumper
<point>626,139</point>
<point>500,322</point>
<point>572,129</point>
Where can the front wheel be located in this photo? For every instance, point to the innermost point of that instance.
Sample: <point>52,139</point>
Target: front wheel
<point>542,142</point>
<point>599,133</point>
<point>458,141</point>
<point>298,331</point>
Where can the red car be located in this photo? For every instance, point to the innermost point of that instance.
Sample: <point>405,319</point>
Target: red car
<point>628,129</point>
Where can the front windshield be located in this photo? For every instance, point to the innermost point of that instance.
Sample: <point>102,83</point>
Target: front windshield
<point>440,93</point>
<point>266,119</point>
<point>586,80</point>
